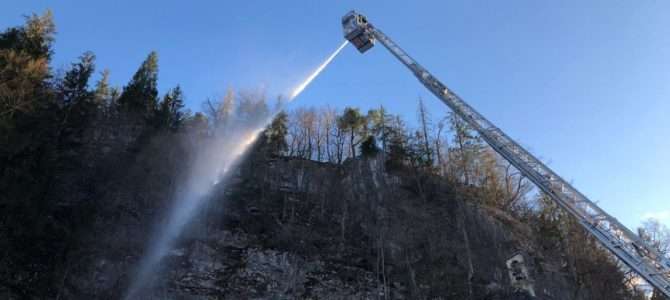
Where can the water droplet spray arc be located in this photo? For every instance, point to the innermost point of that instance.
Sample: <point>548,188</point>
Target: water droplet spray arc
<point>213,164</point>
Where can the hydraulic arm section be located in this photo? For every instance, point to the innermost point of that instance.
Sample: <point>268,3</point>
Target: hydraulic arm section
<point>626,245</point>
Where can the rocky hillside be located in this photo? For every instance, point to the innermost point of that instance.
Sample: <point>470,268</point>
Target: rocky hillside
<point>297,229</point>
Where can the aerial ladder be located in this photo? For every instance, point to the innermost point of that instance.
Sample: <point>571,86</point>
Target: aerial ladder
<point>615,237</point>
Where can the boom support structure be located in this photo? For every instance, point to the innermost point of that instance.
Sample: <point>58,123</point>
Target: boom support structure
<point>612,235</point>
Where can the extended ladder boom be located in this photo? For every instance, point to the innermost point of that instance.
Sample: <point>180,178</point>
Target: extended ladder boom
<point>626,245</point>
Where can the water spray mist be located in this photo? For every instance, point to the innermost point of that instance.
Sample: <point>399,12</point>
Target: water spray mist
<point>212,166</point>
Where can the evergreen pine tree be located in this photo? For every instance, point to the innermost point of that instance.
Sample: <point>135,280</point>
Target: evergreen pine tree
<point>140,96</point>
<point>369,146</point>
<point>102,91</point>
<point>276,134</point>
<point>397,145</point>
<point>169,114</point>
<point>74,87</point>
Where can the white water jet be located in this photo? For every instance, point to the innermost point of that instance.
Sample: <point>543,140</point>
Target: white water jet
<point>316,72</point>
<point>213,163</point>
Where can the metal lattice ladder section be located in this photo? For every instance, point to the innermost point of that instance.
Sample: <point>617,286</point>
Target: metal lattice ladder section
<point>624,244</point>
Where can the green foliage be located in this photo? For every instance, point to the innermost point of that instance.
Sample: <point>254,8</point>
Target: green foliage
<point>276,133</point>
<point>351,119</point>
<point>169,114</point>
<point>31,124</point>
<point>379,125</point>
<point>55,134</point>
<point>369,146</point>
<point>353,122</point>
<point>74,87</point>
<point>35,38</point>
<point>398,152</point>
<point>24,57</point>
<point>140,96</point>
<point>79,108</point>
<point>102,94</point>
<point>21,85</point>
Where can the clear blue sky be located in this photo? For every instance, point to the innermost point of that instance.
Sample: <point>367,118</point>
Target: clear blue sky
<point>583,84</point>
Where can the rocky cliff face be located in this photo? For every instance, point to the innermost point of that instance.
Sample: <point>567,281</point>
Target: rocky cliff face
<point>295,229</point>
